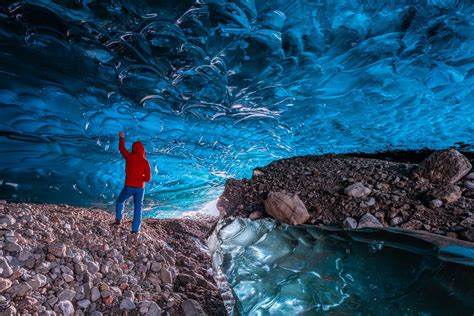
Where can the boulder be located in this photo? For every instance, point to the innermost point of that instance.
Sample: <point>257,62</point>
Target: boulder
<point>369,220</point>
<point>349,223</point>
<point>357,190</point>
<point>447,194</point>
<point>447,166</point>
<point>286,208</point>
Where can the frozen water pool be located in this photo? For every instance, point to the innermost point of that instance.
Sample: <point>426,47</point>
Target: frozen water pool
<point>276,269</point>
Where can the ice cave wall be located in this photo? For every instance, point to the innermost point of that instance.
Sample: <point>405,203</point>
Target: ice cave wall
<point>215,88</point>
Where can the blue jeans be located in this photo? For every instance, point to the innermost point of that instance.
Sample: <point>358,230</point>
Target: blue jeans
<point>126,193</point>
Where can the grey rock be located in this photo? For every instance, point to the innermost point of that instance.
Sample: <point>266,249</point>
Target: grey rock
<point>469,185</point>
<point>468,222</point>
<point>155,266</point>
<point>38,281</point>
<point>12,246</point>
<point>21,289</point>
<point>43,267</point>
<point>95,294</point>
<point>349,223</point>
<point>369,220</point>
<point>153,310</point>
<point>191,308</point>
<point>447,166</point>
<point>396,221</point>
<point>357,190</point>
<point>25,255</point>
<point>84,304</point>
<point>9,311</point>
<point>66,308</point>
<point>7,219</point>
<point>92,267</point>
<point>127,304</point>
<point>66,295</point>
<point>5,268</point>
<point>469,176</point>
<point>436,203</point>
<point>286,208</point>
<point>166,276</point>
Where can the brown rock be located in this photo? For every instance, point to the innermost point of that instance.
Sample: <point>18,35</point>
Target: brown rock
<point>447,166</point>
<point>286,208</point>
<point>255,215</point>
<point>448,194</point>
<point>5,284</point>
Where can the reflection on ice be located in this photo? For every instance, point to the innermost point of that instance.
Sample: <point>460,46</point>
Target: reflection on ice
<point>309,270</point>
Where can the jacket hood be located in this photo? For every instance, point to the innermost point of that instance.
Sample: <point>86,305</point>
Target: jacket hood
<point>138,148</point>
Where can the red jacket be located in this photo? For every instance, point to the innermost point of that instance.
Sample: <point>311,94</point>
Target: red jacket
<point>137,168</point>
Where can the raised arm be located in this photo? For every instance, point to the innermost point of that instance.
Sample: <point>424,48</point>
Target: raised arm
<point>147,172</point>
<point>125,153</point>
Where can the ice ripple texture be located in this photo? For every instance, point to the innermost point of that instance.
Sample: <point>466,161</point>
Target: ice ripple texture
<point>276,269</point>
<point>214,88</point>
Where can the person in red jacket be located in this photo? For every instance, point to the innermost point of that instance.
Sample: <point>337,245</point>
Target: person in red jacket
<point>137,172</point>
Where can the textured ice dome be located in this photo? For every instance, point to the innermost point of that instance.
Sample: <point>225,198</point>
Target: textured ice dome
<point>215,88</point>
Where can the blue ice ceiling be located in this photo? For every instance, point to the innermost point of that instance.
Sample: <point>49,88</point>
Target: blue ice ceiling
<point>215,88</point>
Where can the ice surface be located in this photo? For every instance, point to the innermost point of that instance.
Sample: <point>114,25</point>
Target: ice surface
<point>215,88</point>
<point>276,269</point>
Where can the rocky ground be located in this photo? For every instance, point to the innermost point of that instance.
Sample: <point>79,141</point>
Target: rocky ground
<point>64,260</point>
<point>436,195</point>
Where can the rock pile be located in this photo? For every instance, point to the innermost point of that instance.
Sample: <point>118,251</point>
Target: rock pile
<point>63,260</point>
<point>435,196</point>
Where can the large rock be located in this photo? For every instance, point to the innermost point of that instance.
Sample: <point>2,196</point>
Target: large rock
<point>286,208</point>
<point>369,220</point>
<point>447,166</point>
<point>357,190</point>
<point>447,194</point>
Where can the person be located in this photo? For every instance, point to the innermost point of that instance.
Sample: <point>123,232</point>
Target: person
<point>137,172</point>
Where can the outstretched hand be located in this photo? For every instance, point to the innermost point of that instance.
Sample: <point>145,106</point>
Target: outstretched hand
<point>121,134</point>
